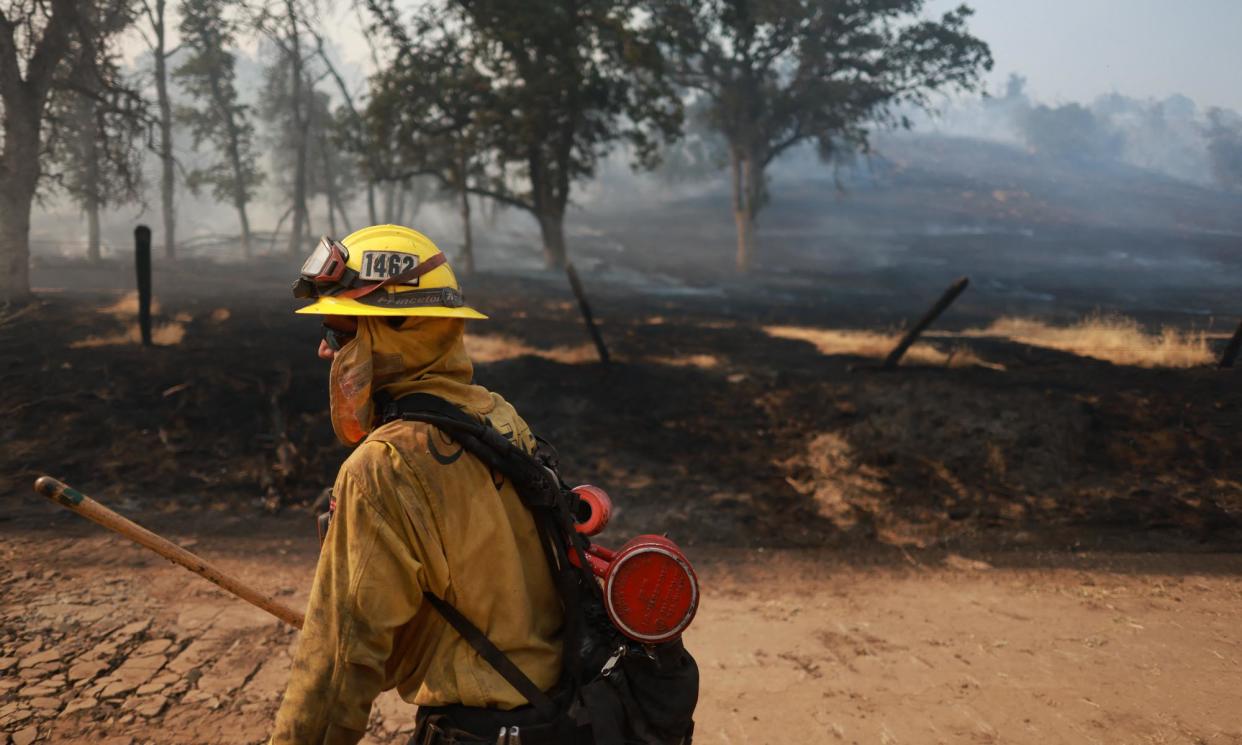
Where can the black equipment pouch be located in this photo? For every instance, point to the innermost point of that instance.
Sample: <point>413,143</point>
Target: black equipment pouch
<point>324,521</point>
<point>613,691</point>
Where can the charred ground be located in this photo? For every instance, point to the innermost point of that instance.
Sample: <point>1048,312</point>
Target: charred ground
<point>706,424</point>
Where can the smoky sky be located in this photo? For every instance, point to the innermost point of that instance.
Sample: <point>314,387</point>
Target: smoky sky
<point>1075,50</point>
<point>1069,50</point>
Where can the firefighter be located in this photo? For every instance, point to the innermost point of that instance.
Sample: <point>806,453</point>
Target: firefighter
<point>413,511</point>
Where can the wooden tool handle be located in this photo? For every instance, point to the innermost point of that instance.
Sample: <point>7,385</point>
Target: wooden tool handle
<point>66,496</point>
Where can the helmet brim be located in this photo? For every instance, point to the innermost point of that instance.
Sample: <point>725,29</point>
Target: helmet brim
<point>334,306</point>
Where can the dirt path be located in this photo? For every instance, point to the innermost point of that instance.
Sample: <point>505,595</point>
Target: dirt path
<point>103,642</point>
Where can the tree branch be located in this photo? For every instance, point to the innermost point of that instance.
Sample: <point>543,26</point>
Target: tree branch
<point>336,75</point>
<point>10,75</point>
<point>775,150</point>
<point>502,198</point>
<point>146,7</point>
<point>145,39</point>
<point>51,47</point>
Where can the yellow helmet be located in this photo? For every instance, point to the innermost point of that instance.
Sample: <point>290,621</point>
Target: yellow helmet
<point>383,270</point>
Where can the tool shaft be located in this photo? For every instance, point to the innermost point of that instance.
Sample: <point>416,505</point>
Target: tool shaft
<point>72,499</point>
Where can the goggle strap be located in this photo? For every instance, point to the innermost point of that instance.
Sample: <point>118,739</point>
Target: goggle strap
<point>348,278</point>
<point>438,297</point>
<point>419,270</point>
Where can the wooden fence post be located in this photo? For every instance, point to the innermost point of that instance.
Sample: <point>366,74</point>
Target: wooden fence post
<point>928,318</point>
<point>1231,349</point>
<point>585,307</point>
<point>142,263</point>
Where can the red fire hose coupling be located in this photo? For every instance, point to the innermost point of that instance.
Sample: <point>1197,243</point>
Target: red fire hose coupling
<point>651,592</point>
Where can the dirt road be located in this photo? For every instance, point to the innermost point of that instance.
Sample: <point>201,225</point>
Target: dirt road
<point>104,642</point>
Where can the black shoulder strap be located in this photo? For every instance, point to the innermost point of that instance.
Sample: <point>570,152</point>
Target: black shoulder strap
<point>532,481</point>
<point>426,403</point>
<point>496,452</point>
<point>490,652</point>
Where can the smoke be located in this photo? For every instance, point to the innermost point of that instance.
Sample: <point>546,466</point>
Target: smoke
<point>1224,136</point>
<point>1171,136</point>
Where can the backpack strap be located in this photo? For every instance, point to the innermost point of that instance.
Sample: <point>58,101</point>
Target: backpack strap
<point>495,451</point>
<point>533,482</point>
<point>496,658</point>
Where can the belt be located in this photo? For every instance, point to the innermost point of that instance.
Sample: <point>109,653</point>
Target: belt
<point>437,729</point>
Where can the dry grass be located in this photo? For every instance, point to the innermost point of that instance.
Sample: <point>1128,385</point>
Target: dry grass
<point>127,305</point>
<point>125,309</point>
<point>493,348</point>
<point>162,335</point>
<point>701,361</point>
<point>875,345</point>
<point>1113,338</point>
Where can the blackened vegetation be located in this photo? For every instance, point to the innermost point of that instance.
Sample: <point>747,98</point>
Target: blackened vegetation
<point>705,427</point>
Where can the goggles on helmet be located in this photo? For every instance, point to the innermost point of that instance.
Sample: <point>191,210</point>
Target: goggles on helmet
<point>325,274</point>
<point>324,271</point>
<point>326,263</point>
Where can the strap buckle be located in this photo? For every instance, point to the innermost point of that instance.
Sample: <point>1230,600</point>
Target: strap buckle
<point>509,736</point>
<point>608,667</point>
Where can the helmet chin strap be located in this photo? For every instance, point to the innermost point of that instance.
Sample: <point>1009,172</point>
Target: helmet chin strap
<point>419,270</point>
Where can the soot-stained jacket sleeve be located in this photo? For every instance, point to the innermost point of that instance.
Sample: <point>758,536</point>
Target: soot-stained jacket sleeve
<point>368,584</point>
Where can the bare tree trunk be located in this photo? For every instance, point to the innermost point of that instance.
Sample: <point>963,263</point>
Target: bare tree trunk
<point>491,212</point>
<point>415,199</point>
<point>19,166</point>
<point>346,223</point>
<point>353,110</point>
<point>330,192</point>
<point>549,209</point>
<point>23,105</point>
<point>244,220</point>
<point>165,145</point>
<point>390,195</point>
<point>467,242</point>
<point>403,197</point>
<point>279,224</point>
<point>301,126</point>
<point>552,228</point>
<point>240,197</point>
<point>743,208</point>
<point>93,251</point>
<point>463,197</point>
<point>15,203</point>
<point>90,201</point>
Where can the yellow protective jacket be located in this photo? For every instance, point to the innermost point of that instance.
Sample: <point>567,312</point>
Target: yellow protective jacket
<point>415,512</point>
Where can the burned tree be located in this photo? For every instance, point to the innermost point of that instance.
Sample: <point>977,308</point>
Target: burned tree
<point>286,138</point>
<point>46,49</point>
<point>564,80</point>
<point>432,106</point>
<point>94,151</point>
<point>773,74</point>
<point>304,142</point>
<point>330,172</point>
<point>85,182</point>
<point>96,154</point>
<point>354,135</point>
<point>208,77</point>
<point>288,98</point>
<point>156,15</point>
